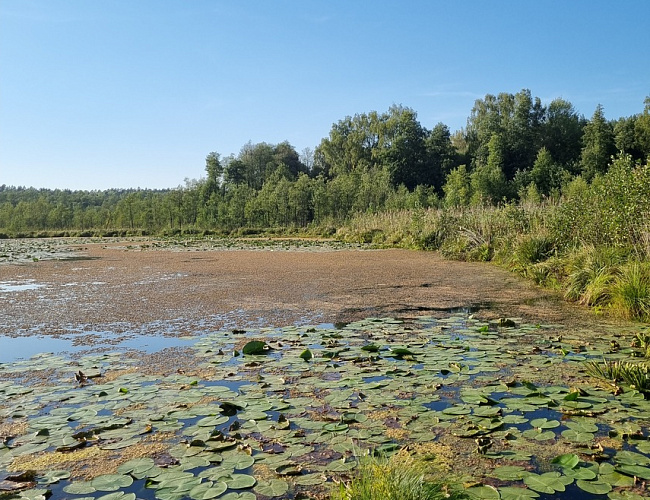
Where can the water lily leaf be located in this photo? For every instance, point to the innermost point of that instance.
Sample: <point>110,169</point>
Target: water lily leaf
<point>118,495</point>
<point>335,427</point>
<point>549,482</point>
<point>111,482</point>
<point>635,470</point>
<point>79,488</point>
<point>272,488</point>
<point>539,435</point>
<point>207,490</point>
<point>246,495</point>
<point>32,494</point>
<point>631,458</point>
<point>54,476</point>
<point>306,355</point>
<point>509,472</point>
<point>255,347</point>
<point>138,467</point>
<point>577,437</point>
<point>310,479</point>
<point>483,493</point>
<point>240,481</point>
<point>515,493</point>
<point>594,487</point>
<point>238,461</point>
<point>543,423</point>
<point>580,473</point>
<point>617,479</point>
<point>400,351</point>
<point>212,421</point>
<point>624,495</point>
<point>340,466</point>
<point>567,461</point>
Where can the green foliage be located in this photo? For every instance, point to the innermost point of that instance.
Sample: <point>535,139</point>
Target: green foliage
<point>591,272</point>
<point>631,292</point>
<point>457,189</point>
<point>534,248</point>
<point>488,180</point>
<point>395,478</point>
<point>635,375</point>
<point>598,145</point>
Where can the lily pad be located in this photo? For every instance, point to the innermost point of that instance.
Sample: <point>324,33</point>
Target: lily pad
<point>111,482</point>
<point>255,347</point>
<point>272,488</point>
<point>549,482</point>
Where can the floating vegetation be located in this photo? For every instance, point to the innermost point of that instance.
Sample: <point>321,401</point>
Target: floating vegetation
<point>302,406</point>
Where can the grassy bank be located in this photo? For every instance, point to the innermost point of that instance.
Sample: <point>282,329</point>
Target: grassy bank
<point>593,244</point>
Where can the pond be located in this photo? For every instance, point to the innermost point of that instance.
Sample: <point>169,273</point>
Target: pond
<point>509,402</point>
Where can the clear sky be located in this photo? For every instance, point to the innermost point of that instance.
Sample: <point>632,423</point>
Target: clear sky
<point>96,94</point>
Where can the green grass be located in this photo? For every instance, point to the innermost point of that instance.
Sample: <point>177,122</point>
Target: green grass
<point>400,477</point>
<point>631,292</point>
<point>635,375</point>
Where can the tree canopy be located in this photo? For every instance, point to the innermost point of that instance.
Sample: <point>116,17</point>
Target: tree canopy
<point>513,146</point>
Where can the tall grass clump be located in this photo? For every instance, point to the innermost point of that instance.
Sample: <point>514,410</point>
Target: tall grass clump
<point>631,292</point>
<point>591,274</point>
<point>635,375</point>
<point>400,477</point>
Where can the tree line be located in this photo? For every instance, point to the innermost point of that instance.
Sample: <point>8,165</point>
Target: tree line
<point>512,148</point>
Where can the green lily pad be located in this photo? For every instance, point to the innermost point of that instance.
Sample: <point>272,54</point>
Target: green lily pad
<point>79,488</point>
<point>255,347</point>
<point>549,482</point>
<point>594,487</point>
<point>272,488</point>
<point>111,482</point>
<point>515,493</point>
<point>240,481</point>
<point>509,473</point>
<point>635,470</point>
<point>208,490</point>
<point>306,355</point>
<point>118,495</point>
<point>138,467</point>
<point>567,461</point>
<point>483,493</point>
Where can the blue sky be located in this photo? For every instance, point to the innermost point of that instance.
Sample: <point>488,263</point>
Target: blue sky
<point>96,94</point>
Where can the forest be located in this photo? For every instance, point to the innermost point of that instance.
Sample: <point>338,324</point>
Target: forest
<point>513,149</point>
<point>561,199</point>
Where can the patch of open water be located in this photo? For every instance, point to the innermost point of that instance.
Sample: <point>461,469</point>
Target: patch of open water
<point>17,348</point>
<point>19,286</point>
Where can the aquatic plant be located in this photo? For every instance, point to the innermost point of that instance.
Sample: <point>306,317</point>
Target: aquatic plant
<point>635,375</point>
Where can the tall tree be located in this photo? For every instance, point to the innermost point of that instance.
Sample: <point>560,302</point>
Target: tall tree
<point>214,170</point>
<point>642,130</point>
<point>517,118</point>
<point>597,145</point>
<point>441,156</point>
<point>489,183</point>
<point>562,133</point>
